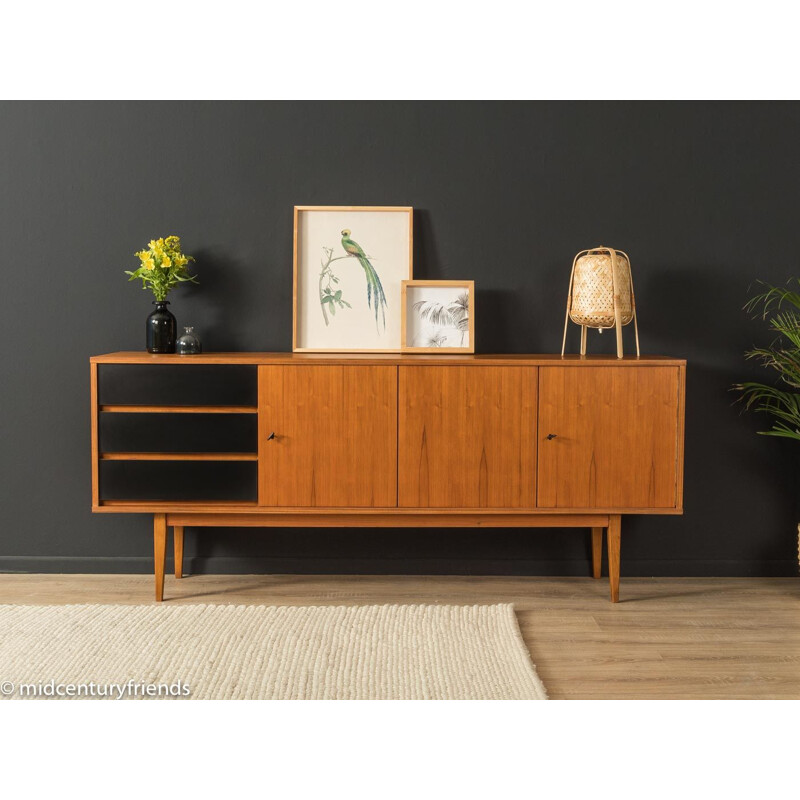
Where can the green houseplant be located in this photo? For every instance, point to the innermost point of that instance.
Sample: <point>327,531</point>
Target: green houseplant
<point>162,267</point>
<point>781,307</point>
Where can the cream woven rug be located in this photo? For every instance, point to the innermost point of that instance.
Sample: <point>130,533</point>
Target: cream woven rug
<point>392,652</point>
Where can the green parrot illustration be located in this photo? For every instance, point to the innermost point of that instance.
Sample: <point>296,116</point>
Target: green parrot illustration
<point>374,288</point>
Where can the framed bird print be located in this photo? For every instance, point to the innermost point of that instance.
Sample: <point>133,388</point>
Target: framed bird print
<point>349,266</point>
<point>438,316</point>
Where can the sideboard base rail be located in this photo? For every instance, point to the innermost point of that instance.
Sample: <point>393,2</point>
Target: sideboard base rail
<point>611,523</point>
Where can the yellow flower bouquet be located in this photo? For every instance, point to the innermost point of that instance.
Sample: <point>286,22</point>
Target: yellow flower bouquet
<point>163,267</point>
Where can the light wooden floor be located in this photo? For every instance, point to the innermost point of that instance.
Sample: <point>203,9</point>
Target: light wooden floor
<point>670,638</point>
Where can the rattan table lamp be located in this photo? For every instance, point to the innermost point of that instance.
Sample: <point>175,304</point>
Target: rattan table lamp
<point>601,295</point>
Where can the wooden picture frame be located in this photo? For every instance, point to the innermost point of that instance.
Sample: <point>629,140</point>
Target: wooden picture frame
<point>458,328</point>
<point>362,292</point>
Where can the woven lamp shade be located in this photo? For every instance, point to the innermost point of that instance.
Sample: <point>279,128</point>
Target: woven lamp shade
<point>601,294</point>
<point>593,290</point>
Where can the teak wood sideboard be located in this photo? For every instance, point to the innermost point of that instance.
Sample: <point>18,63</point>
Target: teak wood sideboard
<point>340,440</point>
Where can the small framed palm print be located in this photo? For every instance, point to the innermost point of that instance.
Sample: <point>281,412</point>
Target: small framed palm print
<point>349,264</point>
<point>438,316</point>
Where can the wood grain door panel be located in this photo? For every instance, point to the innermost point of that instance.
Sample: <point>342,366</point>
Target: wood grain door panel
<point>616,437</point>
<point>335,443</point>
<point>467,437</point>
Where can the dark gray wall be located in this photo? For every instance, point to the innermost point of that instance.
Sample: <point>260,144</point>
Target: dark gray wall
<point>704,196</point>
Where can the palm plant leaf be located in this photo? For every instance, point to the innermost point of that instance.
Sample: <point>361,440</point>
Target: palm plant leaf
<point>774,297</point>
<point>785,362</point>
<point>787,324</point>
<point>783,406</point>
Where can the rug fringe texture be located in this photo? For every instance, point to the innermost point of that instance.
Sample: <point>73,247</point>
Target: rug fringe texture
<point>387,652</point>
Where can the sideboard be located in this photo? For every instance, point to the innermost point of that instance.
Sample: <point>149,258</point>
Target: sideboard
<point>386,440</point>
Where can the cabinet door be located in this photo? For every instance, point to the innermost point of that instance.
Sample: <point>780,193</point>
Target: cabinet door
<point>335,442</point>
<point>467,437</point>
<point>615,437</point>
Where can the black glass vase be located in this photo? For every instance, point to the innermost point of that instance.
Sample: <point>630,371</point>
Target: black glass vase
<point>161,329</point>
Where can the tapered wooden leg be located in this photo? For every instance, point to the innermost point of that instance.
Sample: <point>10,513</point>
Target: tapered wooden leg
<point>178,538</point>
<point>597,551</point>
<point>614,536</point>
<point>160,551</point>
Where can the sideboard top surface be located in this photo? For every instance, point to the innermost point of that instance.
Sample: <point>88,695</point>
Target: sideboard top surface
<point>134,357</point>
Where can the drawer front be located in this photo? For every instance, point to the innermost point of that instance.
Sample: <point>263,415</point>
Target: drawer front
<point>609,437</point>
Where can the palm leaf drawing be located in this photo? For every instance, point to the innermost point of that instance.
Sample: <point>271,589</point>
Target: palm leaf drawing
<point>435,313</point>
<point>459,311</point>
<point>454,314</point>
<point>436,339</point>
